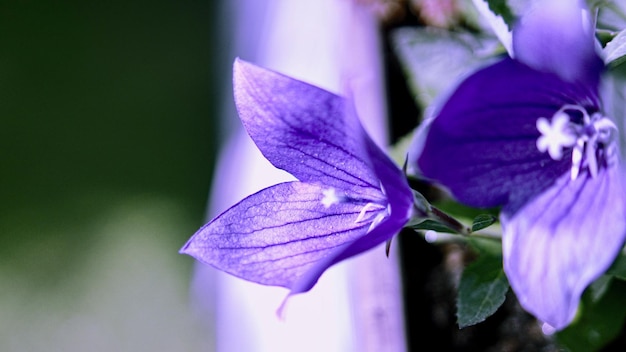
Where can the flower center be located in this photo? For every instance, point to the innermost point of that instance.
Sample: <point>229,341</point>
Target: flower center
<point>331,197</point>
<point>373,211</point>
<point>590,136</point>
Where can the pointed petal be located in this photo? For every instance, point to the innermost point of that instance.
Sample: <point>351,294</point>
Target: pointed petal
<point>482,144</point>
<point>567,45</point>
<point>276,235</point>
<point>305,130</point>
<point>560,242</point>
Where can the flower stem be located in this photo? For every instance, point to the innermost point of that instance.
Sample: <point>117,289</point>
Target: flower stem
<point>449,221</point>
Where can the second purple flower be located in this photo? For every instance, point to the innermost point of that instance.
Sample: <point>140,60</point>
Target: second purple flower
<point>529,134</point>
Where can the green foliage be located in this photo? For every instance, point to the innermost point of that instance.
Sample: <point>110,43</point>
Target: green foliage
<point>482,290</point>
<point>483,221</point>
<point>433,225</point>
<point>618,269</point>
<point>501,8</point>
<point>455,208</point>
<point>599,320</point>
<point>437,220</point>
<point>487,247</point>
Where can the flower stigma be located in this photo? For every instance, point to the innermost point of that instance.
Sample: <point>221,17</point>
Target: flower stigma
<point>590,136</point>
<point>330,197</point>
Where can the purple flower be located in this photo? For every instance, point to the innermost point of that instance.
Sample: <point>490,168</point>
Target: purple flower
<point>529,134</point>
<point>350,196</point>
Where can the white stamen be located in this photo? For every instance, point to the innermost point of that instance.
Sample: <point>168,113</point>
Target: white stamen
<point>379,218</point>
<point>593,133</point>
<point>577,159</point>
<point>592,162</point>
<point>367,208</point>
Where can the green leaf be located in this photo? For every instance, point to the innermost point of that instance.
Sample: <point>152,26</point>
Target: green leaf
<point>432,225</point>
<point>597,323</point>
<point>483,221</point>
<point>482,290</point>
<point>615,50</point>
<point>455,208</point>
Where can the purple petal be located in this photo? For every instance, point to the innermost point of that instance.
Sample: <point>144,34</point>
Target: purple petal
<point>400,198</point>
<point>482,143</point>
<point>305,130</point>
<point>560,242</point>
<point>378,235</point>
<point>276,235</point>
<point>558,37</point>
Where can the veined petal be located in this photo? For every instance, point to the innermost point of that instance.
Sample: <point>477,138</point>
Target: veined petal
<point>307,131</point>
<point>482,144</point>
<point>557,36</point>
<point>275,236</point>
<point>381,233</point>
<point>400,198</point>
<point>560,242</point>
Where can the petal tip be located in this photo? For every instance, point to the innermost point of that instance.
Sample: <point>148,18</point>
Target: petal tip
<point>189,248</point>
<point>239,65</point>
<point>185,250</point>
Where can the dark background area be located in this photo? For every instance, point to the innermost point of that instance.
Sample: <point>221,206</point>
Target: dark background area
<point>107,145</point>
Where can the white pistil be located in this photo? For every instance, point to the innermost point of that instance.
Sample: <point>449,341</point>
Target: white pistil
<point>593,133</point>
<point>330,197</point>
<point>556,136</point>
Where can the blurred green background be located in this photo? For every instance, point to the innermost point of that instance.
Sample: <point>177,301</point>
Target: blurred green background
<point>107,142</point>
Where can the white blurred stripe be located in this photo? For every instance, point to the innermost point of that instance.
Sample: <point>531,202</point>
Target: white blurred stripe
<point>356,305</point>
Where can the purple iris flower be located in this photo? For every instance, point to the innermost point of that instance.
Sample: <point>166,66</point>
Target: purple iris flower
<point>529,134</point>
<point>349,197</point>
